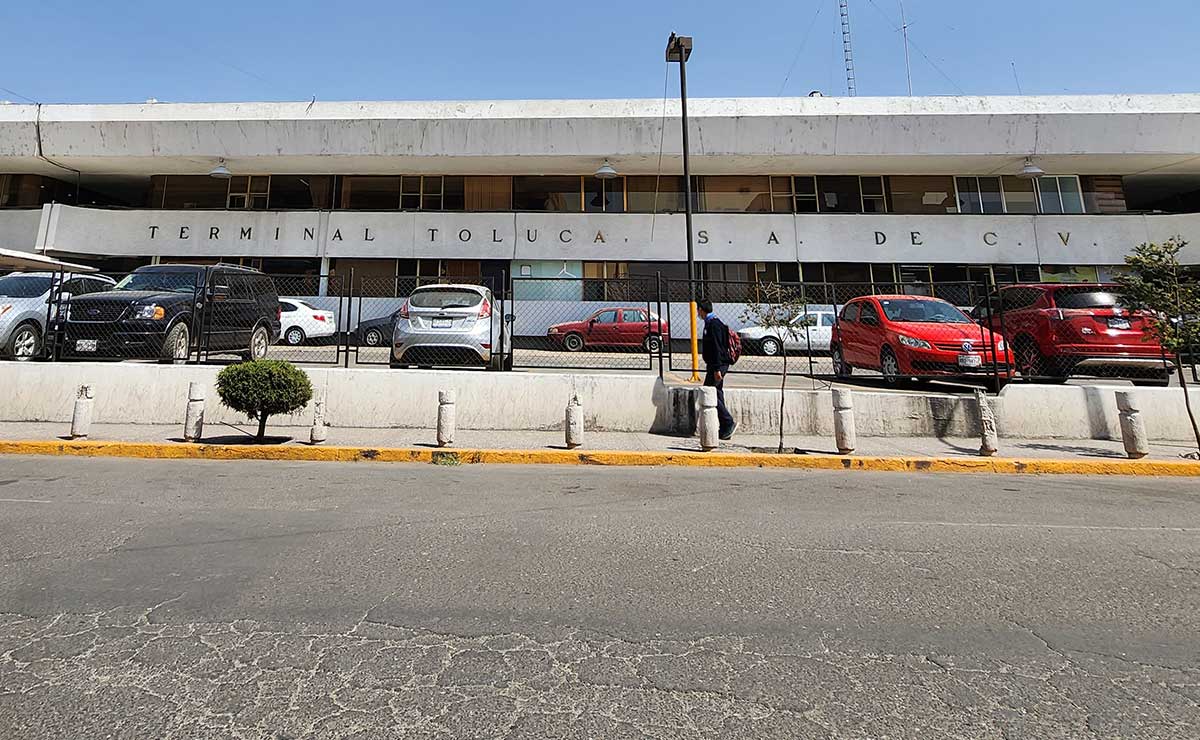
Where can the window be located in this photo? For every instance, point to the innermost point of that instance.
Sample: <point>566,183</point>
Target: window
<point>1019,195</point>
<point>649,193</point>
<point>868,313</point>
<point>805,194</point>
<point>736,194</point>
<point>487,193</point>
<point>195,191</point>
<point>248,192</point>
<point>850,312</point>
<point>559,193</point>
<point>454,193</point>
<point>1060,194</point>
<point>1015,298</point>
<point>826,319</point>
<point>783,198</point>
<point>921,194</point>
<point>604,196</point>
<point>369,193</point>
<point>288,307</point>
<point>297,192</point>
<point>606,317</point>
<point>979,195</point>
<point>839,194</point>
<point>873,200</point>
<point>633,315</point>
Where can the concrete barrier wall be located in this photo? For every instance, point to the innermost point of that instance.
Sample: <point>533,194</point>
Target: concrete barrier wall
<point>134,393</point>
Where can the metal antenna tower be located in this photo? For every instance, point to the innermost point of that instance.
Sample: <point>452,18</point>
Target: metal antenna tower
<point>847,52</point>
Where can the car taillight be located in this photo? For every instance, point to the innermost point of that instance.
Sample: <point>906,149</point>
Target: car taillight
<point>485,309</point>
<point>319,317</point>
<point>404,310</point>
<point>279,313</point>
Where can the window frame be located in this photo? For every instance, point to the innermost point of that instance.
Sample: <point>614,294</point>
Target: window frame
<point>979,193</point>
<point>1058,189</point>
<point>249,194</point>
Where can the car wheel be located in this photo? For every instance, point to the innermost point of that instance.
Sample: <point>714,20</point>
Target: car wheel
<point>573,342</point>
<point>177,345</point>
<point>652,344</point>
<point>771,347</point>
<point>889,366</point>
<point>25,343</point>
<point>373,338</point>
<point>294,336</point>
<point>1035,366</point>
<point>840,368</point>
<point>260,341</point>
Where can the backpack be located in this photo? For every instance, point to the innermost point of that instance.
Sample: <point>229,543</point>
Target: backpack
<point>735,347</point>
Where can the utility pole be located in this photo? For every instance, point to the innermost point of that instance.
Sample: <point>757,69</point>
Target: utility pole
<point>679,48</point>
<point>847,51</point>
<point>904,33</point>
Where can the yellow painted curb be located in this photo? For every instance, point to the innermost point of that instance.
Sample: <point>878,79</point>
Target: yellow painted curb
<point>174,451</point>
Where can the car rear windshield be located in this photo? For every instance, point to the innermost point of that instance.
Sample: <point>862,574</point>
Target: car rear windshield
<point>24,286</point>
<point>1086,298</point>
<point>923,311</point>
<point>445,298</point>
<point>160,281</point>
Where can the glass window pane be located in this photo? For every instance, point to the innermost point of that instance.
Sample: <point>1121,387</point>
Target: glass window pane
<point>238,184</point>
<point>968,195</point>
<point>453,195</point>
<point>783,204</point>
<point>989,193</point>
<point>1018,195</point>
<point>487,193</point>
<point>300,191</point>
<point>1048,188</point>
<point>410,202</point>
<point>259,184</point>
<point>781,186</point>
<point>736,194</point>
<point>922,194</point>
<point>614,195</point>
<point>547,193</point>
<point>431,185</point>
<point>431,203</point>
<point>642,198</point>
<point>1072,200</point>
<point>237,201</point>
<point>839,194</point>
<point>259,202</point>
<point>370,193</point>
<point>411,185</point>
<point>805,185</point>
<point>873,204</point>
<point>872,185</point>
<point>806,204</point>
<point>593,195</point>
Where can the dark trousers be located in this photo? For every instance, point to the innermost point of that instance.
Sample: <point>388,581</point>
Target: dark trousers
<point>710,379</point>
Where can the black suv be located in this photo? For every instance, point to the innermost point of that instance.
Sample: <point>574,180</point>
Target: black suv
<point>166,312</point>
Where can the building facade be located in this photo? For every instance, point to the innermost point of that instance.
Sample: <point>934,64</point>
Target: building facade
<point>847,190</point>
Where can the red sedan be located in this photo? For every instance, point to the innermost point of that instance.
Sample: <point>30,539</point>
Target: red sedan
<point>613,328</point>
<point>905,336</point>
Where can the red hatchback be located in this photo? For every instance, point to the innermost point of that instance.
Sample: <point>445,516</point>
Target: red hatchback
<point>612,328</point>
<point>907,336</point>
<point>1058,330</point>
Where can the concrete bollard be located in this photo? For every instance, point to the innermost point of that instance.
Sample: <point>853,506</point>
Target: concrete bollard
<point>989,441</point>
<point>193,418</point>
<point>1133,429</point>
<point>844,433</point>
<point>574,423</point>
<point>445,418</point>
<point>710,425</point>
<point>81,416</point>
<point>319,432</point>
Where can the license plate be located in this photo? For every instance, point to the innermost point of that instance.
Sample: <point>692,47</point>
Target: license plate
<point>1118,323</point>
<point>970,361</point>
<point>86,345</point>
<point>442,323</point>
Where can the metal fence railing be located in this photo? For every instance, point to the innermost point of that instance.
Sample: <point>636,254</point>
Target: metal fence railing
<point>874,331</point>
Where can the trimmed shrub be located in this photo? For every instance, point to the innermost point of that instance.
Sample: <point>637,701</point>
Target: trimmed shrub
<point>263,388</point>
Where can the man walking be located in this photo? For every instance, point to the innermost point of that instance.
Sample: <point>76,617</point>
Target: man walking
<point>716,362</point>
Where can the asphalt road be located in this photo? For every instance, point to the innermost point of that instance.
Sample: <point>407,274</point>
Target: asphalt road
<point>206,599</point>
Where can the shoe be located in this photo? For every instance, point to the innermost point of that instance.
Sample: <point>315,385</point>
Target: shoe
<point>726,436</point>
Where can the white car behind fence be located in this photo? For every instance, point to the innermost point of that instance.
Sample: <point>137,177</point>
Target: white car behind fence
<point>810,332</point>
<point>302,321</point>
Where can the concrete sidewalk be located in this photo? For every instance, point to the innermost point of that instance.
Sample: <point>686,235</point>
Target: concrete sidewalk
<point>606,441</point>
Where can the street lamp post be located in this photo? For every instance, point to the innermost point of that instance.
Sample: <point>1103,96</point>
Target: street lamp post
<point>679,48</point>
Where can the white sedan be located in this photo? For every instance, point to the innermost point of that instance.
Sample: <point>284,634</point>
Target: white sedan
<point>808,331</point>
<point>301,321</point>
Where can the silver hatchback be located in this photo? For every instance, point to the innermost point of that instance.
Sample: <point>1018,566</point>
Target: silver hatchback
<point>450,325</point>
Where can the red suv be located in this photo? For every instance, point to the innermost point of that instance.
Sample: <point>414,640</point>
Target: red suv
<point>907,336</point>
<point>612,327</point>
<point>1057,330</point>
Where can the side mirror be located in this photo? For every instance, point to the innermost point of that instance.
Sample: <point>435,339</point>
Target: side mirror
<point>218,292</point>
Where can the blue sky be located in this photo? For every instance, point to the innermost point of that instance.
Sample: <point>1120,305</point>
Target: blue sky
<point>199,50</point>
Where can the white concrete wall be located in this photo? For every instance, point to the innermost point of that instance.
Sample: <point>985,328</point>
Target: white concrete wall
<point>19,228</point>
<point>954,239</point>
<point>133,393</point>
